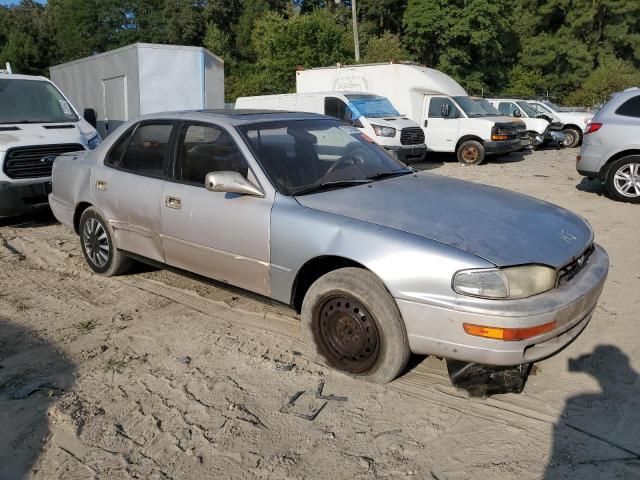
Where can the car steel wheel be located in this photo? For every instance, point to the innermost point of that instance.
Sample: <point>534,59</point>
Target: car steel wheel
<point>96,242</point>
<point>470,154</point>
<point>627,180</point>
<point>347,333</point>
<point>569,139</point>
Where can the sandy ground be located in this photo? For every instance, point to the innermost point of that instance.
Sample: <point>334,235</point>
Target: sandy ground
<point>158,375</point>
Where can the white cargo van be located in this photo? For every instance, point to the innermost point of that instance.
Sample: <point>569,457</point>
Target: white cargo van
<point>37,123</point>
<point>537,126</point>
<point>371,114</point>
<point>451,121</point>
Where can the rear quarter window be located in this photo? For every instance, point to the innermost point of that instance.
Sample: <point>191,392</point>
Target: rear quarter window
<point>630,108</point>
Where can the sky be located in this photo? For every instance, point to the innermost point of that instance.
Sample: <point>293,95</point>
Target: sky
<point>15,2</point>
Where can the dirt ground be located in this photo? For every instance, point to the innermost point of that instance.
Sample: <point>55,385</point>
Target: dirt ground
<point>158,375</point>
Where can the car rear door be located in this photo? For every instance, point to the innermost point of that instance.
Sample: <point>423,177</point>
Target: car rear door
<point>128,187</point>
<point>224,236</point>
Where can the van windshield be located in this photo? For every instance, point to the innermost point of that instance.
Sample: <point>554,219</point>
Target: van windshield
<point>527,109</point>
<point>471,107</point>
<point>490,109</point>
<point>33,101</point>
<point>371,106</point>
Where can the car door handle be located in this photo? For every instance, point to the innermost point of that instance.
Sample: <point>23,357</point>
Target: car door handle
<point>426,122</point>
<point>173,202</point>
<point>101,185</point>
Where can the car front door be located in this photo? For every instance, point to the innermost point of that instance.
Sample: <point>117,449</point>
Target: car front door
<point>224,236</point>
<point>128,187</point>
<point>440,124</point>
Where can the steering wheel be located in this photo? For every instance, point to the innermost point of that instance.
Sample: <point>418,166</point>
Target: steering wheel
<point>352,152</point>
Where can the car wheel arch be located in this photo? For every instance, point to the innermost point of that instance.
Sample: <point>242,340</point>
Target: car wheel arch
<point>314,269</point>
<point>80,208</point>
<point>604,171</point>
<point>466,138</point>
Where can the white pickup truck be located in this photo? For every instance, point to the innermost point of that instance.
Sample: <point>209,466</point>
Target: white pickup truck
<point>37,123</point>
<point>573,123</point>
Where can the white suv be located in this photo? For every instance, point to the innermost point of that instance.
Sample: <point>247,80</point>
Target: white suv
<point>611,146</point>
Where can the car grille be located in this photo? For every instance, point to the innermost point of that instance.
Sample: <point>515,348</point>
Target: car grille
<point>572,269</point>
<point>412,136</point>
<point>36,161</point>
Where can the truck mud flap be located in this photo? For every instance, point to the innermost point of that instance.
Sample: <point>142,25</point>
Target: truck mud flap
<point>485,380</point>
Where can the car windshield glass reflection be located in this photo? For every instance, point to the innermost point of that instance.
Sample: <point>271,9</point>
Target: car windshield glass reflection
<point>307,156</point>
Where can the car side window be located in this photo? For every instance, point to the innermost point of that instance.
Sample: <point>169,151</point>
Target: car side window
<point>506,108</point>
<point>203,149</point>
<point>146,152</point>
<point>334,107</point>
<point>438,105</point>
<point>114,157</point>
<point>630,108</point>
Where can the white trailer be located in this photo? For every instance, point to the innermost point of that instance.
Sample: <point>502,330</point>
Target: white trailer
<point>142,78</point>
<point>451,121</point>
<point>372,114</point>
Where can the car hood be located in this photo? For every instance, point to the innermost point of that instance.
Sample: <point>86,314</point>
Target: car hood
<point>500,226</point>
<point>36,134</point>
<point>396,122</point>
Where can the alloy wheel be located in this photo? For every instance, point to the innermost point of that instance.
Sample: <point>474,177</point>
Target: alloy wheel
<point>627,180</point>
<point>96,242</point>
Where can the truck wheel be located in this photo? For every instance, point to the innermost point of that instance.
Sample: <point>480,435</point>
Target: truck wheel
<point>352,323</point>
<point>470,153</point>
<point>623,179</point>
<point>572,138</point>
<point>98,247</point>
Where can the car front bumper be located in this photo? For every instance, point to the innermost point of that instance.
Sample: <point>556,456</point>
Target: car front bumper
<point>408,153</point>
<point>17,198</point>
<point>502,146</point>
<point>438,330</point>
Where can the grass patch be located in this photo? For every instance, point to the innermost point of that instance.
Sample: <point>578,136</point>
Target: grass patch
<point>114,366</point>
<point>86,326</point>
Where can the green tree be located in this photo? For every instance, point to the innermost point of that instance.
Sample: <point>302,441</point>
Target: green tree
<point>76,28</point>
<point>613,75</point>
<point>524,83</point>
<point>386,15</point>
<point>388,47</point>
<point>471,40</point>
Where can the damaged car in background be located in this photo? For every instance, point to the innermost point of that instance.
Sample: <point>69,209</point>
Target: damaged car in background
<point>303,209</point>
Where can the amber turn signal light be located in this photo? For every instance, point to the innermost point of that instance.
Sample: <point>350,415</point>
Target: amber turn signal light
<point>508,334</point>
<point>497,137</point>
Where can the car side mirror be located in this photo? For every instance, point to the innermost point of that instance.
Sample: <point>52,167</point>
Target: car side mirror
<point>231,182</point>
<point>516,113</point>
<point>89,114</point>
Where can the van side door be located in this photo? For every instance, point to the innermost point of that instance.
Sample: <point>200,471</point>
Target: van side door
<point>441,123</point>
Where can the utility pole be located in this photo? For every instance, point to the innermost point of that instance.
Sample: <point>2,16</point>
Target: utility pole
<point>356,43</point>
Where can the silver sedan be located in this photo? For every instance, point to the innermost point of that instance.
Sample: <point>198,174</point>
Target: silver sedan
<point>380,261</point>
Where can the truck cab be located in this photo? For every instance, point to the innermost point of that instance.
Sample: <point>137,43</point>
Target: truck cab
<point>37,123</point>
<point>372,114</point>
<point>538,126</point>
<point>573,123</point>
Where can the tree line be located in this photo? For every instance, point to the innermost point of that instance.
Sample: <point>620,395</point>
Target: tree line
<point>574,51</point>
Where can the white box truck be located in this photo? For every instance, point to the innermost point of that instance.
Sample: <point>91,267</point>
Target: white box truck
<point>37,123</point>
<point>372,114</point>
<point>451,121</point>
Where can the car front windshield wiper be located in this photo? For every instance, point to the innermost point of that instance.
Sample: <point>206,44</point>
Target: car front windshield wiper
<point>381,175</point>
<point>329,185</point>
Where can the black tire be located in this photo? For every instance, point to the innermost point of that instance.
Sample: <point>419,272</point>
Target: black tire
<point>470,153</point>
<point>615,181</point>
<point>98,246</point>
<point>352,323</point>
<point>572,138</point>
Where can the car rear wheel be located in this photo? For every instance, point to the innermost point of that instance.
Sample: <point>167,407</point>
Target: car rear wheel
<point>352,323</point>
<point>470,153</point>
<point>98,247</point>
<point>571,139</point>
<point>623,180</point>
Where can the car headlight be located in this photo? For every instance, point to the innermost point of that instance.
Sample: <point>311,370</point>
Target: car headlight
<point>384,131</point>
<point>94,142</point>
<point>505,283</point>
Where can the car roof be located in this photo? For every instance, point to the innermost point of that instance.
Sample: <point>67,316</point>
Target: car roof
<point>237,117</point>
<point>15,76</point>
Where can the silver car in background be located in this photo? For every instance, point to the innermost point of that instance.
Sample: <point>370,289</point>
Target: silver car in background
<point>380,261</point>
<point>611,146</point>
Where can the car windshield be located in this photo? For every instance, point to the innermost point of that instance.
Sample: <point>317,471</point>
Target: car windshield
<point>371,106</point>
<point>490,109</point>
<point>527,109</point>
<point>540,107</point>
<point>552,106</point>
<point>471,107</point>
<point>307,156</point>
<point>33,101</point>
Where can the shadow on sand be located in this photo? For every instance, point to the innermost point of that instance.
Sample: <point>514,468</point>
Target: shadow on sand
<point>598,434</point>
<point>32,374</point>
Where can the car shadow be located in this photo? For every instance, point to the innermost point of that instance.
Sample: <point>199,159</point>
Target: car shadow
<point>33,373</point>
<point>38,217</point>
<point>592,186</point>
<point>598,434</point>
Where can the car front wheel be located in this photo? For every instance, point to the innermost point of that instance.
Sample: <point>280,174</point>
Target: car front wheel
<point>470,153</point>
<point>98,247</point>
<point>571,138</point>
<point>623,180</point>
<point>352,323</point>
